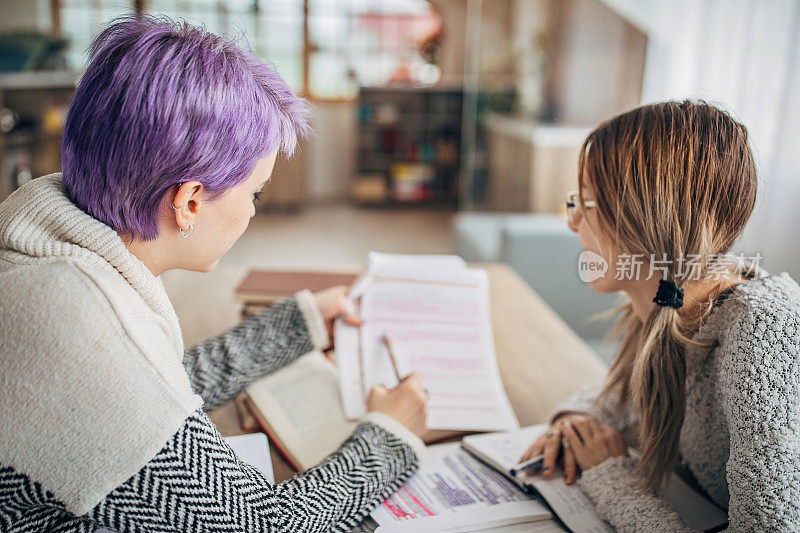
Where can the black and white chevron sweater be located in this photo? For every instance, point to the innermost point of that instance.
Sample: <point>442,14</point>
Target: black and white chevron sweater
<point>102,410</point>
<point>196,482</point>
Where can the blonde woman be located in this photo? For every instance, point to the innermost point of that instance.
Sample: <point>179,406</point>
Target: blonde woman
<point>708,374</point>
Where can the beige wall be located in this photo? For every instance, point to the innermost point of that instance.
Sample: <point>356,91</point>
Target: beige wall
<point>599,62</point>
<point>25,15</point>
<point>596,56</point>
<point>454,14</point>
<point>331,151</point>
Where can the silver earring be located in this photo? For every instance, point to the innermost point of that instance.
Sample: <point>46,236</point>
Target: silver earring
<point>184,235</point>
<point>175,208</point>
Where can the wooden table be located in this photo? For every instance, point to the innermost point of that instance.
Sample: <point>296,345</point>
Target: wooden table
<point>542,361</point>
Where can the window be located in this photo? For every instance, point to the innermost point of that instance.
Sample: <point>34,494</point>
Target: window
<point>80,20</point>
<point>369,43</point>
<point>325,49</point>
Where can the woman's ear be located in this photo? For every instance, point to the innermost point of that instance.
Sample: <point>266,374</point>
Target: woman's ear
<point>186,203</point>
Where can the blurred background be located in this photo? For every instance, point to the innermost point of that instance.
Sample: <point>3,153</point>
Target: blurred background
<point>447,126</point>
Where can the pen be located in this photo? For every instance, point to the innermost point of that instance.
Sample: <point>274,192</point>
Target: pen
<point>388,345</point>
<point>530,464</point>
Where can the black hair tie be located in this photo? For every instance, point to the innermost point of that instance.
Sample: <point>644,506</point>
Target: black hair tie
<point>669,295</point>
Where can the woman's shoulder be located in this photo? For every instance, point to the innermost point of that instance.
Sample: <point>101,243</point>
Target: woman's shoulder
<point>53,310</point>
<point>59,285</point>
<point>769,289</point>
<point>767,307</point>
<point>759,331</point>
<point>61,292</point>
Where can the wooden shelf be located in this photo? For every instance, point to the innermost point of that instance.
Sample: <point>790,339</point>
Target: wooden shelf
<point>416,121</point>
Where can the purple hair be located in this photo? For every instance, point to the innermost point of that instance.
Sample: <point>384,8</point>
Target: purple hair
<point>165,102</point>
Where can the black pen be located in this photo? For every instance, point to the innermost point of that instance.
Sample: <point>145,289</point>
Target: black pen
<point>530,464</point>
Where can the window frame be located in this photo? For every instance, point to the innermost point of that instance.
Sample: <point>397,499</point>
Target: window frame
<point>139,7</point>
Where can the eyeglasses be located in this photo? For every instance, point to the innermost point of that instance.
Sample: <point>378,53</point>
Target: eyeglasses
<point>574,206</point>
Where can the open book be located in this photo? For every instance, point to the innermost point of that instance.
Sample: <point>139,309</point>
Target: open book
<point>299,407</point>
<point>502,451</point>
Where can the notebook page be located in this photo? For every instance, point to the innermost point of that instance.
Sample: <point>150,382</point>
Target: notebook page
<point>436,314</point>
<point>408,263</point>
<point>571,505</point>
<point>502,450</point>
<point>301,404</point>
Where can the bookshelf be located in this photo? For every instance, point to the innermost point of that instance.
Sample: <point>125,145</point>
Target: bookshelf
<point>408,146</point>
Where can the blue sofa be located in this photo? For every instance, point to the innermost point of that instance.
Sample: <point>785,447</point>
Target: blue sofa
<point>544,252</point>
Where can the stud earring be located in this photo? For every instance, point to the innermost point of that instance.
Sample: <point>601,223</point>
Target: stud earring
<point>184,235</point>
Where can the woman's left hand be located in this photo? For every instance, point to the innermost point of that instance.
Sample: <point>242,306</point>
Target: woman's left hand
<point>591,444</point>
<point>332,304</point>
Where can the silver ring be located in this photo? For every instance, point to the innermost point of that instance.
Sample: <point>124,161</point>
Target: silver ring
<point>565,443</point>
<point>175,208</point>
<point>552,433</point>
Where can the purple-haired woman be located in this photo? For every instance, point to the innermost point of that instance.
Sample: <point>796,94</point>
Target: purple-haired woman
<point>172,133</point>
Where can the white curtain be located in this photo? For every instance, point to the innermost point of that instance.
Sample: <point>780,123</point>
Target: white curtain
<point>743,55</point>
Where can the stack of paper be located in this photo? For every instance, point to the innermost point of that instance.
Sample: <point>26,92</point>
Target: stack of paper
<point>469,488</point>
<point>502,451</point>
<point>435,311</point>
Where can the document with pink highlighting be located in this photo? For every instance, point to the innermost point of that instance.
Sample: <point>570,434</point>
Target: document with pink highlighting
<point>438,322</point>
<point>450,483</point>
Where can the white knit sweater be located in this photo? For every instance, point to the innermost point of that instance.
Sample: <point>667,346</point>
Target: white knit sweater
<point>79,291</point>
<point>91,364</point>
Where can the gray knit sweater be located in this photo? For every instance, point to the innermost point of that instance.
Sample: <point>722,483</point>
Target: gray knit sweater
<point>741,434</point>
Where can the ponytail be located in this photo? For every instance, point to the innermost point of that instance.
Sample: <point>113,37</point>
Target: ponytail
<point>660,369</point>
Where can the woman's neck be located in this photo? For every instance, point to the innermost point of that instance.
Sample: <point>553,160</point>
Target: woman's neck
<point>151,253</point>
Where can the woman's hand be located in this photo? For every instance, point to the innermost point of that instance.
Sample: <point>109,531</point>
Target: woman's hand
<point>551,445</point>
<point>592,444</point>
<point>332,304</point>
<point>405,403</point>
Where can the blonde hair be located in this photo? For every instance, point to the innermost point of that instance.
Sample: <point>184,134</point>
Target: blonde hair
<point>673,179</point>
